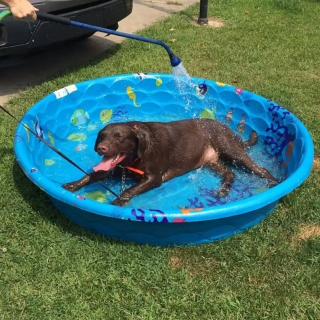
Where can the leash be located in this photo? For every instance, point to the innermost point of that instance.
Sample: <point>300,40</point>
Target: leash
<point>55,150</point>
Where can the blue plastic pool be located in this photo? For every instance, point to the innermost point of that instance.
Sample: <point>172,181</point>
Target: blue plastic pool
<point>183,210</point>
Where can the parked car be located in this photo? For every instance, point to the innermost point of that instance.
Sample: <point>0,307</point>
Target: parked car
<point>19,37</point>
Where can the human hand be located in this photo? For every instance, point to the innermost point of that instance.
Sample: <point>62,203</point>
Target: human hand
<point>23,10</point>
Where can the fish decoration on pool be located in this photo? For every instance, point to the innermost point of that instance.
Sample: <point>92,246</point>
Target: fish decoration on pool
<point>207,114</point>
<point>81,147</point>
<point>141,75</point>
<point>239,91</point>
<point>97,195</point>
<point>106,115</point>
<point>50,137</point>
<point>49,162</point>
<point>132,96</point>
<point>189,210</point>
<point>77,137</point>
<point>241,124</point>
<point>92,127</point>
<point>38,129</point>
<point>79,117</point>
<point>201,90</point>
<point>144,75</point>
<point>229,116</point>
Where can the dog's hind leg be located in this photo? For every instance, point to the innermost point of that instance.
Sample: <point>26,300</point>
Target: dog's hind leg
<point>248,163</point>
<point>227,178</point>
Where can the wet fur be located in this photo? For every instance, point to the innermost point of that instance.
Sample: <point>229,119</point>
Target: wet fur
<point>168,150</point>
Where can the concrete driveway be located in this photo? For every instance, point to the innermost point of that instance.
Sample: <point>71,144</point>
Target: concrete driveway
<point>42,65</point>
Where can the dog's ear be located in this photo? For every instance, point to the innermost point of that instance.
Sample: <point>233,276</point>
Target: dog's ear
<point>98,140</point>
<point>144,139</point>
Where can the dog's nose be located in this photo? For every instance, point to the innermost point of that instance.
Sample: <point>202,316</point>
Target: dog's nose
<point>102,148</point>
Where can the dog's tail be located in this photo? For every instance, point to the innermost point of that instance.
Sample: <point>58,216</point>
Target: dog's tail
<point>252,141</point>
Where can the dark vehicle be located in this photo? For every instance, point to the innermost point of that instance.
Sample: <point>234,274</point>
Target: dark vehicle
<point>19,37</point>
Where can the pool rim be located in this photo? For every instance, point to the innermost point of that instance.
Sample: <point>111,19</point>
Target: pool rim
<point>208,213</point>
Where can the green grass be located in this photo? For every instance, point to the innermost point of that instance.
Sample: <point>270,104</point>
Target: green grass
<point>53,269</point>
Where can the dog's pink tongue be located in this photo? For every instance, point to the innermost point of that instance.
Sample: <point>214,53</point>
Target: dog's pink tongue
<point>104,165</point>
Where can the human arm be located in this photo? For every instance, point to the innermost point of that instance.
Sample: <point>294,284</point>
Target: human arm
<point>21,9</point>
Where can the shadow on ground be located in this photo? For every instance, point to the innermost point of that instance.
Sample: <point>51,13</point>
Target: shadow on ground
<point>41,204</point>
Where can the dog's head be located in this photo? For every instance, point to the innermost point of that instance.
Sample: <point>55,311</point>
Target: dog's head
<point>120,143</point>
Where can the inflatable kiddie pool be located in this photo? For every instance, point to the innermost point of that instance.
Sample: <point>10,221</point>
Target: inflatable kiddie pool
<point>183,211</point>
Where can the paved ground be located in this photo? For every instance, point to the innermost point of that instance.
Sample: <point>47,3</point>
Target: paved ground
<point>46,64</point>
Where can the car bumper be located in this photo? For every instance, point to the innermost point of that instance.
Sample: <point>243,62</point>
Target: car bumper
<point>22,37</point>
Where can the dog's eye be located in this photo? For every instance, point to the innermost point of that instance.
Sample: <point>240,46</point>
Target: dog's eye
<point>117,135</point>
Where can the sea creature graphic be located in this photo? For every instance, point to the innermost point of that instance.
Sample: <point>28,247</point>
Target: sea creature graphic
<point>278,144</point>
<point>105,115</point>
<point>202,89</point>
<point>91,127</point>
<point>220,84</point>
<point>207,114</point>
<point>142,75</point>
<point>77,137</point>
<point>50,138</point>
<point>81,147</point>
<point>26,127</point>
<point>189,210</point>
<point>38,129</point>
<point>81,197</point>
<point>96,196</point>
<point>239,91</point>
<point>155,216</point>
<point>79,117</point>
<point>119,114</point>
<point>241,124</point>
<point>49,162</point>
<point>178,220</point>
<point>132,96</point>
<point>194,203</point>
<point>33,170</point>
<point>229,116</point>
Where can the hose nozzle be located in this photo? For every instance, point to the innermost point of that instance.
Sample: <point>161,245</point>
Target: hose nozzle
<point>174,60</point>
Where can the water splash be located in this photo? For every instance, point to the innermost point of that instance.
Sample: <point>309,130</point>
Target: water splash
<point>183,82</point>
<point>179,71</point>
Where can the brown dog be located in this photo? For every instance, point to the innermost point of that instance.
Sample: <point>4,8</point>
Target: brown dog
<point>167,150</point>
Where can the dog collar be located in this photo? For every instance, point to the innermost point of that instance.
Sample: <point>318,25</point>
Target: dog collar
<point>133,169</point>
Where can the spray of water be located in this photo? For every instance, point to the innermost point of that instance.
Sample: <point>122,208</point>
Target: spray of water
<point>180,70</point>
<point>183,82</point>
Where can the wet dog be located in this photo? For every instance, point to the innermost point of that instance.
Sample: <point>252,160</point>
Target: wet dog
<point>166,150</point>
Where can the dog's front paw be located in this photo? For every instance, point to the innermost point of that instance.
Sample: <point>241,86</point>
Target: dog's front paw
<point>222,192</point>
<point>72,186</point>
<point>119,202</point>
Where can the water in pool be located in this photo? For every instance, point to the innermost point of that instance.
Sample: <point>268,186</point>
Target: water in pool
<point>193,190</point>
